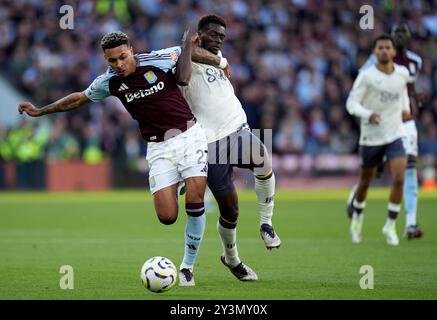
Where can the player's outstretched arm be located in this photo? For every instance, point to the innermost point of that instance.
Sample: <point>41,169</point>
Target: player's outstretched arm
<point>201,55</point>
<point>183,66</point>
<point>70,102</point>
<point>204,56</point>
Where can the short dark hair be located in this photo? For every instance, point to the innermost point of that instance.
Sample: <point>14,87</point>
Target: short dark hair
<point>211,18</point>
<point>114,39</point>
<point>399,25</point>
<point>384,37</point>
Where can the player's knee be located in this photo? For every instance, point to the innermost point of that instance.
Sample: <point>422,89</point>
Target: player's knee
<point>398,180</point>
<point>262,165</point>
<point>229,211</point>
<point>167,220</point>
<point>262,172</point>
<point>229,215</point>
<point>167,216</point>
<point>195,193</point>
<point>194,197</point>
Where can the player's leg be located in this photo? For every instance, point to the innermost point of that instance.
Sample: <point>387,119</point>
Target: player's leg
<point>209,201</point>
<point>221,184</point>
<point>380,169</point>
<point>193,170</point>
<point>163,181</point>
<point>227,225</point>
<point>370,158</point>
<point>411,186</point>
<point>397,163</point>
<point>166,204</point>
<point>358,203</point>
<point>261,165</point>
<point>195,226</point>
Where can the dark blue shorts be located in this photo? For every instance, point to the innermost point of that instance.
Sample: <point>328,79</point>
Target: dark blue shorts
<point>372,156</point>
<point>234,150</point>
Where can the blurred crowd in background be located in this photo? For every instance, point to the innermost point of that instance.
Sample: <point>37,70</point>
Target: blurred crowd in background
<point>293,64</point>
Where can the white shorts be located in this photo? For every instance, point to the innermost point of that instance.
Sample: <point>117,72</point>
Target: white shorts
<point>410,140</point>
<point>178,158</point>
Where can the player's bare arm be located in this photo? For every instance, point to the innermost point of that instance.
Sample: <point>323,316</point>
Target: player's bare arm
<point>375,118</point>
<point>204,56</point>
<point>70,102</point>
<point>201,55</point>
<point>183,66</point>
<point>406,116</point>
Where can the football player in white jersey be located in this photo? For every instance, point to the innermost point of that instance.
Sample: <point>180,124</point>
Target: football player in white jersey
<point>401,35</point>
<point>230,144</point>
<point>379,97</point>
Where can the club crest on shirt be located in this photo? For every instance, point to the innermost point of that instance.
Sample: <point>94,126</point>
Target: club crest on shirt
<point>150,77</point>
<point>152,182</point>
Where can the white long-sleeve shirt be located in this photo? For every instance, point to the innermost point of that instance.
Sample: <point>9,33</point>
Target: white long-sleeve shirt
<point>212,99</point>
<point>386,94</point>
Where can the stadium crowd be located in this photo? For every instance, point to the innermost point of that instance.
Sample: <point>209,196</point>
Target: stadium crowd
<point>293,64</point>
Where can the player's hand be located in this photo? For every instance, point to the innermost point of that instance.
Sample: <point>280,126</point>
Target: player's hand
<point>227,71</point>
<point>406,116</point>
<point>195,40</point>
<point>190,35</point>
<point>375,118</point>
<point>28,108</point>
<point>420,98</point>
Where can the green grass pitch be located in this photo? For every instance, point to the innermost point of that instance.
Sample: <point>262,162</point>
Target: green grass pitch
<point>106,237</point>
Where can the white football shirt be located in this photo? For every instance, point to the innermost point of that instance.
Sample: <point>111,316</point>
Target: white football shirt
<point>213,102</point>
<point>376,91</point>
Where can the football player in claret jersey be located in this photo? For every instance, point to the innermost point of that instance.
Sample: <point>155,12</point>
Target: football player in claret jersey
<point>230,144</point>
<point>404,57</point>
<point>148,88</point>
<point>379,98</point>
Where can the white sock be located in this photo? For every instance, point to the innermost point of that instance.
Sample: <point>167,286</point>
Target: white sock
<point>411,219</point>
<point>359,205</point>
<point>265,191</point>
<point>393,210</point>
<point>229,242</point>
<point>357,217</point>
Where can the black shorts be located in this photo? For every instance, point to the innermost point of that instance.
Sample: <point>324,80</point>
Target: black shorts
<point>372,156</point>
<point>234,150</point>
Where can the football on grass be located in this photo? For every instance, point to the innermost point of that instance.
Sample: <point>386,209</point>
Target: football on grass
<point>158,274</point>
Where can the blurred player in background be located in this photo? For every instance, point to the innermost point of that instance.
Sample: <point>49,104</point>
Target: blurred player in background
<point>379,97</point>
<point>211,97</point>
<point>401,35</point>
<point>146,84</point>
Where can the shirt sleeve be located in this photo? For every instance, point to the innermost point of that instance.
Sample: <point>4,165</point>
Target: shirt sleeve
<point>99,88</point>
<point>405,100</point>
<point>168,51</point>
<point>354,102</point>
<point>407,76</point>
<point>165,58</point>
<point>411,55</point>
